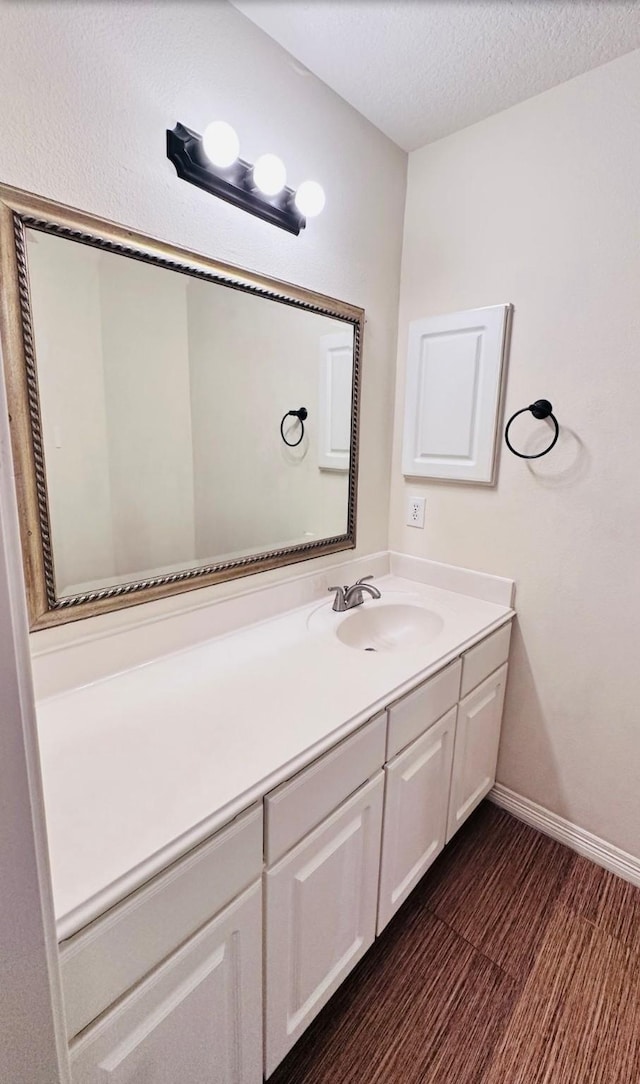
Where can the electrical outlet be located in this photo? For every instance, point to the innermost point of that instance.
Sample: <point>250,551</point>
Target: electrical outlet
<point>415,511</point>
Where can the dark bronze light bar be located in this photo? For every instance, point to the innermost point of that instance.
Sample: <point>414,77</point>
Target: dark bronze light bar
<point>233,183</point>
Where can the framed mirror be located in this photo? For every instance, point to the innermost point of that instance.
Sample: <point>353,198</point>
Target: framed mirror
<point>175,421</point>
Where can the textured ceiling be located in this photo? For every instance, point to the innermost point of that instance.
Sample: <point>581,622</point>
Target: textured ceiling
<point>420,69</point>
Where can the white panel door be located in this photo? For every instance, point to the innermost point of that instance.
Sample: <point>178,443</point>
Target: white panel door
<point>321,902</point>
<point>453,390</point>
<point>197,1019</point>
<point>415,813</point>
<point>334,400</point>
<point>476,750</point>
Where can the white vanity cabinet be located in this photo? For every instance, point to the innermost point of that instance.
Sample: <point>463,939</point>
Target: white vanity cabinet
<point>484,677</point>
<point>415,813</point>
<point>476,750</point>
<point>436,781</point>
<point>321,898</point>
<point>167,985</point>
<point>195,1019</point>
<point>284,901</point>
<point>420,741</point>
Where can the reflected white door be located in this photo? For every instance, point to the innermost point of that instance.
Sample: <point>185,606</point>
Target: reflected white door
<point>334,400</point>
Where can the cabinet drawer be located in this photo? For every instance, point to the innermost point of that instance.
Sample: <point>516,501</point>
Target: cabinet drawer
<point>111,954</point>
<point>484,658</point>
<point>197,1018</point>
<point>410,717</point>
<point>297,806</point>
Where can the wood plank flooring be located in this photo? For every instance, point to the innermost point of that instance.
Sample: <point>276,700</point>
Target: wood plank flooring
<point>515,961</point>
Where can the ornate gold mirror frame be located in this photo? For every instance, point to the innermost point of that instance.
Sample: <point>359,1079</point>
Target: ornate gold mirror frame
<point>19,211</point>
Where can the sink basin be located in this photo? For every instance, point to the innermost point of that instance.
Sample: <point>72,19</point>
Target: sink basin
<point>388,627</point>
<point>387,624</point>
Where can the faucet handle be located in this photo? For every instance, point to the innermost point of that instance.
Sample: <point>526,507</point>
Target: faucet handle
<point>339,602</point>
<point>365,578</point>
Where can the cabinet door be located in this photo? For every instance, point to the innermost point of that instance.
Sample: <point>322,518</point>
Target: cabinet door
<point>415,813</point>
<point>476,750</point>
<point>196,1019</point>
<point>320,916</point>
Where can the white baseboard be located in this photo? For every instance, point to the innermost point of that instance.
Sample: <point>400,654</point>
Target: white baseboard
<point>578,839</point>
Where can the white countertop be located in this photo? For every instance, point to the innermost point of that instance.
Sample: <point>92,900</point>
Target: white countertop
<point>141,766</point>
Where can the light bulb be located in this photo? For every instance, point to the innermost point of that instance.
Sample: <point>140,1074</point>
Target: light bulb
<point>310,198</point>
<point>269,174</point>
<point>220,143</point>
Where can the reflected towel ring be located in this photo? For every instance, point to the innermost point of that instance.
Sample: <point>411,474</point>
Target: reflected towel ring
<point>540,409</point>
<point>302,416</point>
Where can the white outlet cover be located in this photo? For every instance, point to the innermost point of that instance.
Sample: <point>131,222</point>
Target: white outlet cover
<point>415,511</point>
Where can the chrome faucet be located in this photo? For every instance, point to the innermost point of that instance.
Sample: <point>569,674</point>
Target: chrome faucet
<point>347,598</point>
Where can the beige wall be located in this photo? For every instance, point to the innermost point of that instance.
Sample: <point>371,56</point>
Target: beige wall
<point>65,289</point>
<point>88,91</point>
<point>251,360</point>
<point>145,344</point>
<point>540,206</point>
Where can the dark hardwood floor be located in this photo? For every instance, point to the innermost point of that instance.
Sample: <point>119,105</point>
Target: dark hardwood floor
<point>515,961</point>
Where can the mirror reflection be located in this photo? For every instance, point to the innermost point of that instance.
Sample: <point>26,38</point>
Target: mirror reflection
<point>161,397</point>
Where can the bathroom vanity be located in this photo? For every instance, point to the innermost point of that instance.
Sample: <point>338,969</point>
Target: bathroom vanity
<point>232,825</point>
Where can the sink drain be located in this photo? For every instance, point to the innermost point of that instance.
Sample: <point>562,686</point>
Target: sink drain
<point>371,649</point>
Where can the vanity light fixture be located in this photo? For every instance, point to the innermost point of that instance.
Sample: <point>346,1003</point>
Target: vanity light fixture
<point>211,161</point>
<point>269,174</point>
<point>310,198</point>
<point>220,143</point>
